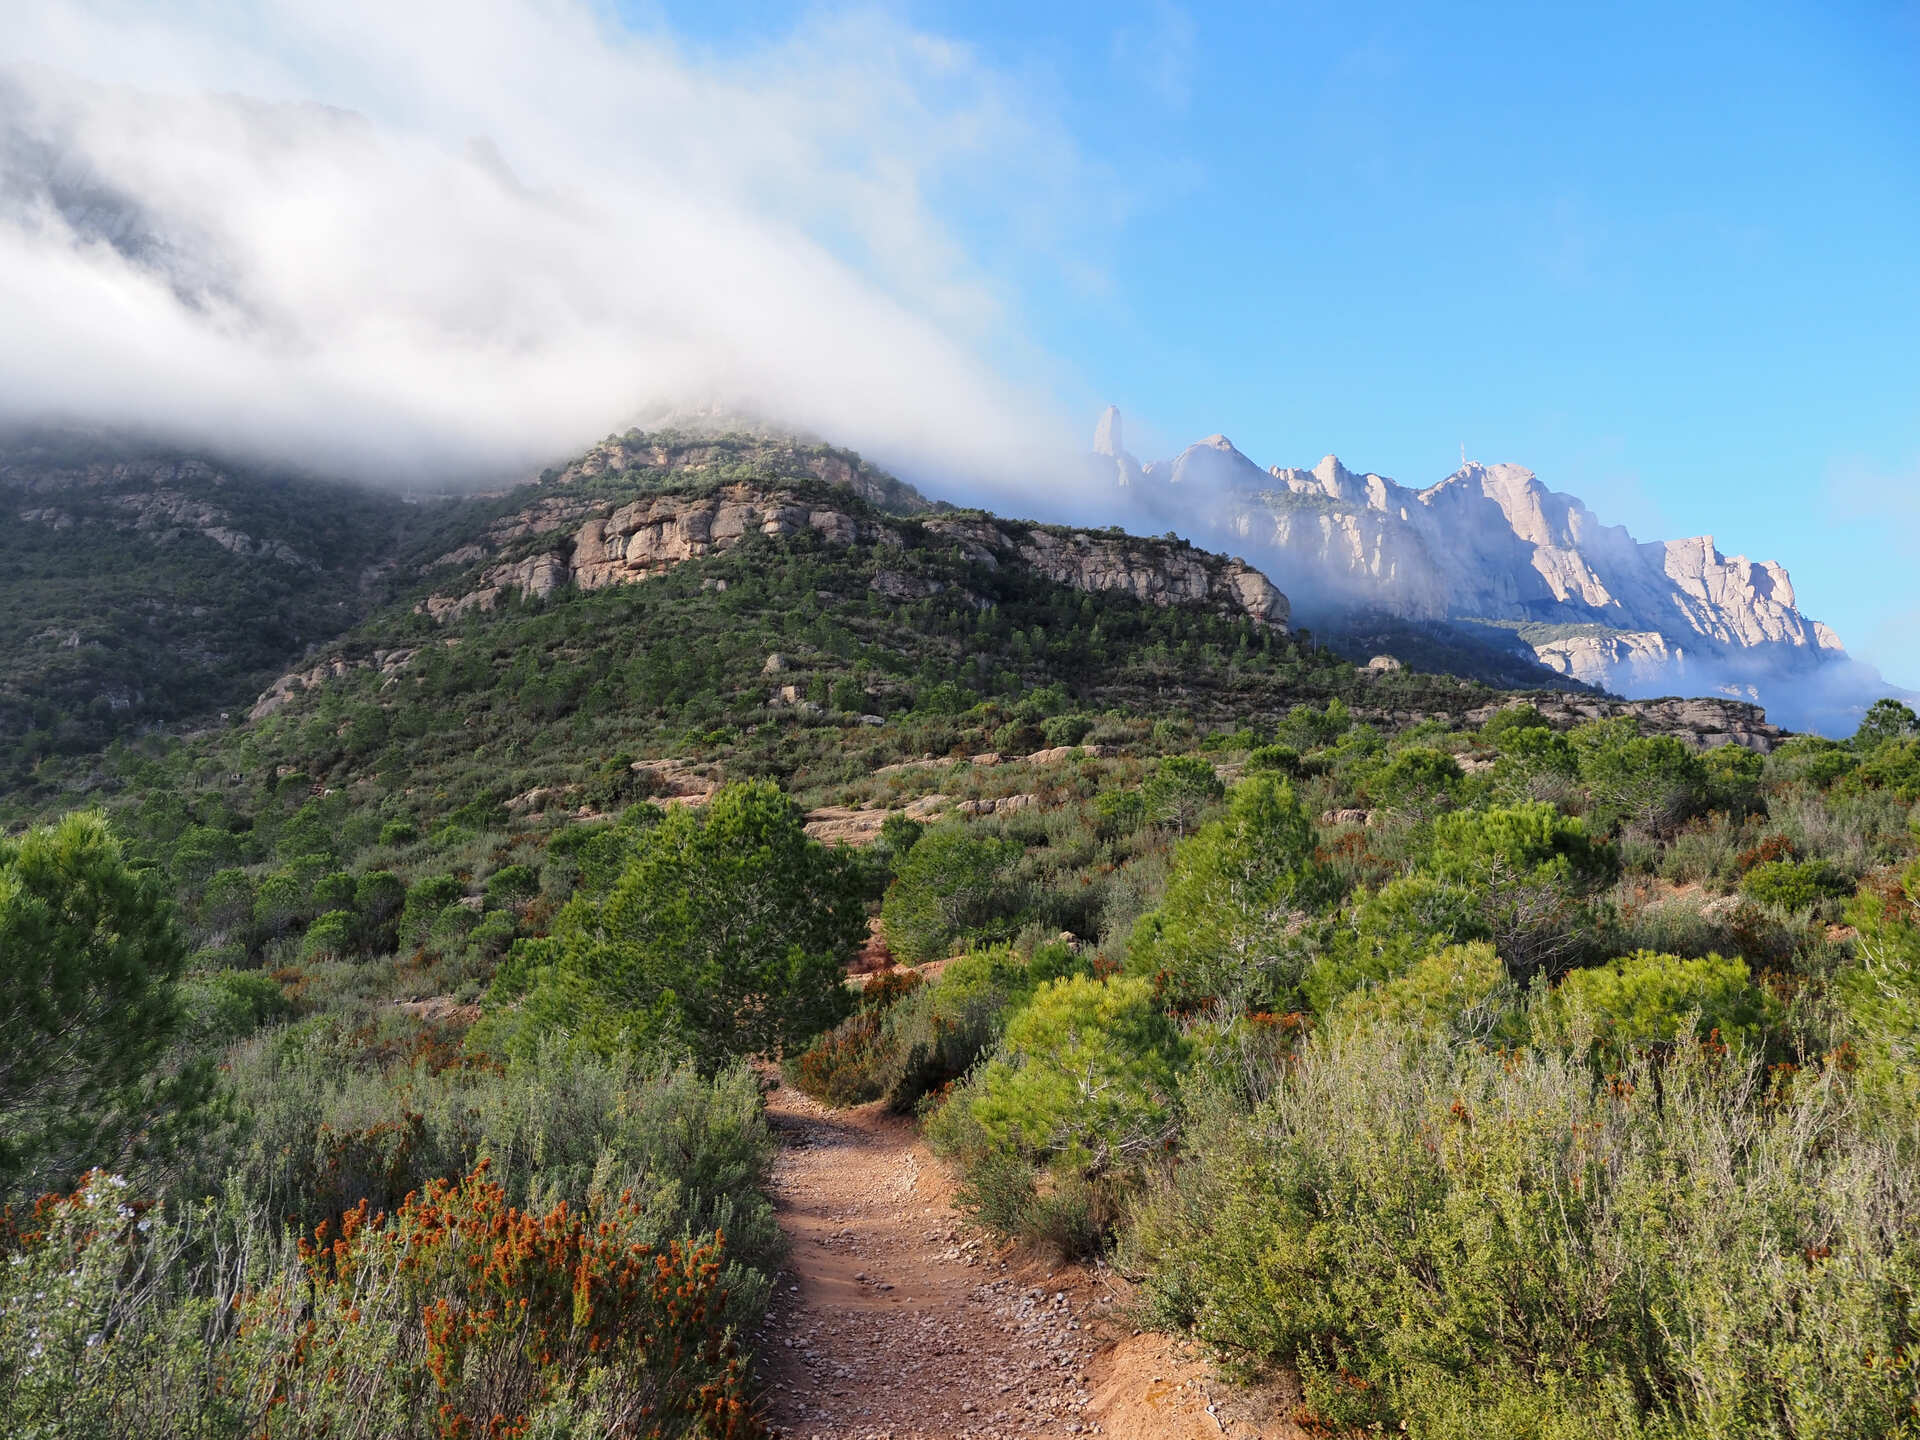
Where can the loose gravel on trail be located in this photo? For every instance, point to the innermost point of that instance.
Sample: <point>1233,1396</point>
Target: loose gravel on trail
<point>894,1320</point>
<point>891,1321</point>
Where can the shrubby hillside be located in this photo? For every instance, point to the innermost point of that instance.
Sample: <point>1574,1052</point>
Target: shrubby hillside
<point>1489,1064</point>
<point>142,588</point>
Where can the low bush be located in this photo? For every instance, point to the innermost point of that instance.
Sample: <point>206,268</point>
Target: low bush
<point>1458,1242</point>
<point>1081,1091</point>
<point>1795,884</point>
<point>1635,1001</point>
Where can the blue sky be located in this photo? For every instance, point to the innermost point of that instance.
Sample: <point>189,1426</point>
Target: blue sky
<point>1665,256</point>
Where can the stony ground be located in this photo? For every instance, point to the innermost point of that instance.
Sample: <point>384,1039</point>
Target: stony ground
<point>895,1320</point>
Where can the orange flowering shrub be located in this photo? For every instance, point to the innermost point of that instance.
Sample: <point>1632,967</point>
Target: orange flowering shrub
<point>841,1067</point>
<point>462,1316</point>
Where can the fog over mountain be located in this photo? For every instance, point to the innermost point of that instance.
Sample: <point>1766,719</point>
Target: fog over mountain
<point>445,244</point>
<point>1492,545</point>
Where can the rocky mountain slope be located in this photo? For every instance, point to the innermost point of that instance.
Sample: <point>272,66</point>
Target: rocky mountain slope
<point>141,586</point>
<point>1491,544</point>
<point>619,544</point>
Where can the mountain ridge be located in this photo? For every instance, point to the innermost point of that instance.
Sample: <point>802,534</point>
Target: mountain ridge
<point>1495,545</point>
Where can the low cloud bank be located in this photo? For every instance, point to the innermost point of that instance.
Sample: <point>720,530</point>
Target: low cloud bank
<point>445,243</point>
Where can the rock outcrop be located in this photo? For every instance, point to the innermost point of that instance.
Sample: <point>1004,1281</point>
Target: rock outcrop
<point>148,496</point>
<point>730,452</point>
<point>648,536</point>
<point>279,694</point>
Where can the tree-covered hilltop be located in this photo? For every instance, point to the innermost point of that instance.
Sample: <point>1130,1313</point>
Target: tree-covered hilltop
<point>143,586</point>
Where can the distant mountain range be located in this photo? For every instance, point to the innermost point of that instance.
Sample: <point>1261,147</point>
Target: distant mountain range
<point>1492,556</point>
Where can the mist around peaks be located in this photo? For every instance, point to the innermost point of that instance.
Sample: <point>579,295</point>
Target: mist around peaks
<point>1491,554</point>
<point>429,243</point>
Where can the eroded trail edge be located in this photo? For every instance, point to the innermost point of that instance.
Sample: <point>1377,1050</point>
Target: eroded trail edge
<point>893,1320</point>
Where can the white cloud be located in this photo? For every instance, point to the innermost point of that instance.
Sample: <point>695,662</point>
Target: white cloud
<point>1158,52</point>
<point>446,239</point>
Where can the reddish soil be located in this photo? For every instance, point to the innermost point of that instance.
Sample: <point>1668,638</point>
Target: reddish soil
<point>897,1321</point>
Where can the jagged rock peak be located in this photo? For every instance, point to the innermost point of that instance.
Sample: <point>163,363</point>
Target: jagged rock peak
<point>1491,545</point>
<point>1107,436</point>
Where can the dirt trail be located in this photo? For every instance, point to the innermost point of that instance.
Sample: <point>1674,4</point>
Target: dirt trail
<point>893,1321</point>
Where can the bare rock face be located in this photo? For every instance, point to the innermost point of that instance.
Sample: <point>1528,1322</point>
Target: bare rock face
<point>1110,458</point>
<point>1618,660</point>
<point>277,695</point>
<point>652,535</point>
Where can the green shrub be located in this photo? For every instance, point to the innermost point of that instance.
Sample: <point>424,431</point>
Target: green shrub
<point>1880,992</point>
<point>1892,765</point>
<point>494,933</point>
<point>229,1005</point>
<point>226,905</point>
<point>1085,1076</point>
<point>1080,1092</point>
<point>938,1033</point>
<point>1810,760</point>
<point>89,959</point>
<point>951,887</point>
<point>1535,764</point>
<point>283,903</point>
<point>898,835</point>
<point>727,934</point>
<point>333,891</point>
<point>1462,992</point>
<point>1644,999</point>
<point>426,900</point>
<point>1886,719</point>
<point>1231,928</point>
<point>330,937</point>
<point>1510,721</point>
<point>1533,873</point>
<point>1795,884</point>
<point>1733,776</point>
<point>1180,790</point>
<point>511,884</point>
<point>1462,1242</point>
<point>1119,812</point>
<point>1418,783</point>
<point>1280,759</point>
<point>1651,782</point>
<point>1060,730</point>
<point>1382,933</point>
<point>379,897</point>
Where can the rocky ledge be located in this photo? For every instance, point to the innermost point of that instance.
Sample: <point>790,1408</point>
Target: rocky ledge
<point>1701,724</point>
<point>652,535</point>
